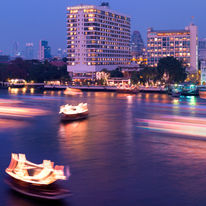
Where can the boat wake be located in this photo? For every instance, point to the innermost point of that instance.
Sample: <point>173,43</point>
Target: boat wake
<point>191,126</point>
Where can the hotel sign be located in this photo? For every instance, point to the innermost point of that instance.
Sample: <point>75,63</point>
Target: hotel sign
<point>80,7</point>
<point>173,34</point>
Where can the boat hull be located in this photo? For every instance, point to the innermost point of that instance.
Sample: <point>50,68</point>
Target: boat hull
<point>176,94</point>
<point>73,117</point>
<point>50,192</point>
<point>202,94</point>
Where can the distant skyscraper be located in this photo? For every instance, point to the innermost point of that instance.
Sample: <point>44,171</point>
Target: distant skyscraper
<point>59,53</point>
<point>15,49</point>
<point>202,49</point>
<point>137,44</point>
<point>64,53</point>
<point>181,44</point>
<point>44,50</point>
<point>203,72</point>
<point>98,38</point>
<point>29,51</point>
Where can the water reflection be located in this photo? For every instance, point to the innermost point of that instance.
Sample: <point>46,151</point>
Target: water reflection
<point>14,111</point>
<point>16,199</point>
<point>144,149</point>
<point>11,124</point>
<point>73,135</point>
<point>9,101</point>
<point>175,124</point>
<point>16,91</point>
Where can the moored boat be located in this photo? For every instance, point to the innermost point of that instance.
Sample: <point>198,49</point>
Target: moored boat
<point>176,93</point>
<point>71,113</point>
<point>17,83</point>
<point>72,91</point>
<point>202,92</point>
<point>36,180</point>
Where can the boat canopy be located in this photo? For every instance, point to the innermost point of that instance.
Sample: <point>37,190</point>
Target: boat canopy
<point>39,174</point>
<point>70,109</point>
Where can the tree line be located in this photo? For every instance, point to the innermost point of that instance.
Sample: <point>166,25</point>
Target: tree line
<point>32,70</point>
<point>169,71</point>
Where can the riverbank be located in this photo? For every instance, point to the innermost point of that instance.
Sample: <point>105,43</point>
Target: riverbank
<point>43,86</point>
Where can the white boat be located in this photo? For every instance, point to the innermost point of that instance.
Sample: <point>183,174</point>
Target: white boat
<point>70,113</point>
<point>72,91</point>
<point>36,180</point>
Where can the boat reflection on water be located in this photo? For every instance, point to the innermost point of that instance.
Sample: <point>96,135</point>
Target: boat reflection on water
<point>16,199</point>
<point>72,137</point>
<point>36,180</point>
<point>17,90</point>
<point>11,124</point>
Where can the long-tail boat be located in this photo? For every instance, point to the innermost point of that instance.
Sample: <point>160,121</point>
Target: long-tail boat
<point>36,180</point>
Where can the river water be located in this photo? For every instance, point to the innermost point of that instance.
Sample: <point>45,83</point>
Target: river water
<point>133,150</point>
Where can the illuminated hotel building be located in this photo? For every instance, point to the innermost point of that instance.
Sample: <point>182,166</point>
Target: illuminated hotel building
<point>98,38</point>
<point>181,44</point>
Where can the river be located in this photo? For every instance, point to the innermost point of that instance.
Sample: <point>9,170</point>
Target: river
<point>133,150</point>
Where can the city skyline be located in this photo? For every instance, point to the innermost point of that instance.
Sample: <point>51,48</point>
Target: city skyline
<point>52,27</point>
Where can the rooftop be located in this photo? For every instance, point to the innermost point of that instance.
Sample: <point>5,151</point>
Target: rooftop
<point>104,8</point>
<point>168,31</point>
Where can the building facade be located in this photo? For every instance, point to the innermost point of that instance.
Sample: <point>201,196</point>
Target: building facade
<point>137,44</point>
<point>203,72</point>
<point>15,50</point>
<point>44,50</point>
<point>29,51</point>
<point>202,49</point>
<point>4,58</point>
<point>98,38</point>
<point>181,44</point>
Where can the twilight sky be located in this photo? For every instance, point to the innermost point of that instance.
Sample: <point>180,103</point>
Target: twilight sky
<point>31,20</point>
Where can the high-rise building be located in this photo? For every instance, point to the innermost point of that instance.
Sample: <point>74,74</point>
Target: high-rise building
<point>44,50</point>
<point>202,49</point>
<point>15,50</point>
<point>64,53</point>
<point>29,51</point>
<point>181,44</point>
<point>98,38</point>
<point>59,53</point>
<point>203,72</point>
<point>137,44</point>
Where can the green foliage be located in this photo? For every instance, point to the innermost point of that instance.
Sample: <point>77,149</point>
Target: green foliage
<point>134,77</point>
<point>116,73</point>
<point>169,70</point>
<point>172,70</point>
<point>33,70</point>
